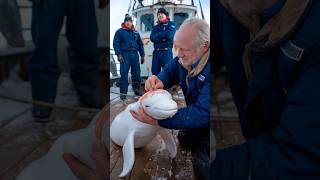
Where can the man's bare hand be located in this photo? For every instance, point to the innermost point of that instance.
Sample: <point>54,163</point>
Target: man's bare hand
<point>152,83</point>
<point>143,117</point>
<point>100,155</point>
<point>120,58</point>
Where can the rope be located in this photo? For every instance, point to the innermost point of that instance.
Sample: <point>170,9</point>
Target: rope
<point>134,96</point>
<point>51,105</point>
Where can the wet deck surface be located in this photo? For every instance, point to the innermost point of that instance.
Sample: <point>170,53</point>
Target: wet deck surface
<point>152,161</point>
<point>23,141</point>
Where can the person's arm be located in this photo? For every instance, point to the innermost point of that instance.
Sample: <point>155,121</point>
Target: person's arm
<point>153,35</point>
<point>193,115</point>
<point>116,42</point>
<point>292,150</point>
<point>168,34</point>
<point>170,73</point>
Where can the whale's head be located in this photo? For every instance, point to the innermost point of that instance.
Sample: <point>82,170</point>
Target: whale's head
<point>159,104</point>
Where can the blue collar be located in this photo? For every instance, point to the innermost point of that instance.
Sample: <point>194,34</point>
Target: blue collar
<point>273,10</point>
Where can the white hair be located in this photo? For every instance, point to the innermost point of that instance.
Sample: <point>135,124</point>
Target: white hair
<point>202,29</point>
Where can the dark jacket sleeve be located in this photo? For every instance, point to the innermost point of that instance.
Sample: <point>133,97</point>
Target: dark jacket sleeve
<point>158,36</point>
<point>168,34</point>
<point>169,74</point>
<point>292,150</point>
<point>153,35</point>
<point>116,42</point>
<point>194,115</point>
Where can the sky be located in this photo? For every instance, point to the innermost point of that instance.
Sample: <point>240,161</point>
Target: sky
<point>118,8</point>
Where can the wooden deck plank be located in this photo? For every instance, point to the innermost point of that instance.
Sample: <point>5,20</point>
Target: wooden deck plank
<point>31,140</point>
<point>152,160</point>
<point>114,156</point>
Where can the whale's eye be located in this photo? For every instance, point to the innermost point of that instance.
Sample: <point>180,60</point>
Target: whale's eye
<point>146,106</point>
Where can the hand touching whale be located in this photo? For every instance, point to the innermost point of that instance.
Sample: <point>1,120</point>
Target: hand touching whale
<point>130,133</point>
<point>79,143</point>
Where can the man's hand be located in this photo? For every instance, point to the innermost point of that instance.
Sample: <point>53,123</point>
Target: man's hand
<point>153,82</point>
<point>143,117</point>
<point>120,58</point>
<point>142,59</point>
<point>103,3</point>
<point>100,155</point>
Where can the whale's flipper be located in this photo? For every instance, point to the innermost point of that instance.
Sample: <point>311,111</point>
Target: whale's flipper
<point>169,141</point>
<point>128,154</point>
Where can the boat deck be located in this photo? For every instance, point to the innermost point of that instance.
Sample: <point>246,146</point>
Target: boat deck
<point>152,161</point>
<point>22,141</point>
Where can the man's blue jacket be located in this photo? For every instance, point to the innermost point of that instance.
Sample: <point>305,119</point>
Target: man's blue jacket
<point>279,108</point>
<point>197,96</point>
<point>127,40</point>
<point>162,35</point>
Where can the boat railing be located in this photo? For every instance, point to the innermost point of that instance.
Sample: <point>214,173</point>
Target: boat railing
<point>114,65</point>
<point>141,3</point>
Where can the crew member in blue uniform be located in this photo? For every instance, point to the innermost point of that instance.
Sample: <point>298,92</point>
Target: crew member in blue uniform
<point>191,70</point>
<point>162,37</point>
<point>81,32</point>
<point>271,52</point>
<point>127,43</point>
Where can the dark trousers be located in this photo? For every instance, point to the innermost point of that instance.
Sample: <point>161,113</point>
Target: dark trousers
<point>131,60</point>
<point>160,59</point>
<point>81,32</point>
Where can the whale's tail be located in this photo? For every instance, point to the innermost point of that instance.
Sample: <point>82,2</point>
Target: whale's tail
<point>128,154</point>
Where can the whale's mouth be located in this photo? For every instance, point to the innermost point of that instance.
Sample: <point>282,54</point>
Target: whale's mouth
<point>164,109</point>
<point>160,113</point>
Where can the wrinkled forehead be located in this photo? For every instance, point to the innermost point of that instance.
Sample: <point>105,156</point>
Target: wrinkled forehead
<point>148,95</point>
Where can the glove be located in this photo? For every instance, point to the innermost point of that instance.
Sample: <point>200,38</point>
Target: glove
<point>142,59</point>
<point>120,58</point>
<point>100,155</point>
<point>103,4</point>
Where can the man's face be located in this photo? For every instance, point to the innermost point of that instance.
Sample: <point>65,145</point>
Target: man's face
<point>246,7</point>
<point>185,46</point>
<point>128,24</point>
<point>161,16</point>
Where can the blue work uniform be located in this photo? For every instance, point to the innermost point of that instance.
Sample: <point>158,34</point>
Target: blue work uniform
<point>81,32</point>
<point>279,108</point>
<point>162,37</point>
<point>192,120</point>
<point>197,96</point>
<point>127,42</point>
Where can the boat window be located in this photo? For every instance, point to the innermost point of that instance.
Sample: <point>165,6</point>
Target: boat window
<point>179,18</point>
<point>146,22</point>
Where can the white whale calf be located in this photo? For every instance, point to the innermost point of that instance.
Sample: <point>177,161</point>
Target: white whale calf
<point>79,143</point>
<point>130,133</point>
